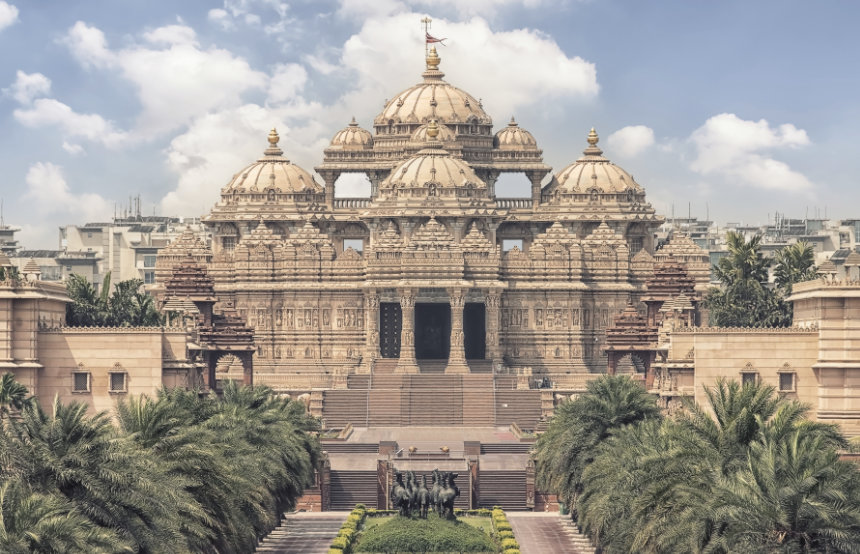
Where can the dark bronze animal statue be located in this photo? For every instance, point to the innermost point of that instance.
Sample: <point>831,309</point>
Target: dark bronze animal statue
<point>400,498</point>
<point>422,497</point>
<point>447,495</point>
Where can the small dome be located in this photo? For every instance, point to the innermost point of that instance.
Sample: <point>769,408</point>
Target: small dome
<point>514,137</point>
<point>352,137</point>
<point>434,98</point>
<point>444,134</point>
<point>593,172</point>
<point>431,169</point>
<point>272,172</point>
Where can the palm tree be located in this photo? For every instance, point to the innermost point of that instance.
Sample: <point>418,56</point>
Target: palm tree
<point>107,479</point>
<point>125,306</point>
<point>686,485</point>
<point>793,495</point>
<point>35,522</point>
<point>13,395</point>
<point>745,300</point>
<point>794,263</point>
<point>568,446</point>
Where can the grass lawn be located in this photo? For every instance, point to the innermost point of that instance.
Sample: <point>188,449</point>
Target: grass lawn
<point>485,524</point>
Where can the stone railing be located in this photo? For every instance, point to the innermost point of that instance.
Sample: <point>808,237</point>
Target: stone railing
<point>348,203</point>
<point>514,203</point>
<point>829,282</point>
<point>745,330</point>
<point>292,381</point>
<point>573,381</point>
<point>98,330</point>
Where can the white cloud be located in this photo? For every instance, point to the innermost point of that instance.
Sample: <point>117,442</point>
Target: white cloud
<point>287,81</point>
<point>630,141</point>
<point>221,18</point>
<point>88,45</point>
<point>28,86</point>
<point>510,69</point>
<point>738,150</point>
<point>176,79</point>
<point>72,148</point>
<point>8,14</point>
<point>50,112</point>
<point>50,193</point>
<point>172,34</point>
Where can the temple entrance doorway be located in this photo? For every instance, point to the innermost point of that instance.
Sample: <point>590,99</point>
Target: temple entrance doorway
<point>390,322</point>
<point>432,331</point>
<point>474,330</point>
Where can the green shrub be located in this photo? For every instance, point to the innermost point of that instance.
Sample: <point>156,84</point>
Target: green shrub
<point>340,543</point>
<point>350,524</point>
<point>510,544</point>
<point>346,532</point>
<point>424,535</point>
<point>512,551</point>
<point>505,534</point>
<point>360,506</point>
<point>335,551</point>
<point>504,526</point>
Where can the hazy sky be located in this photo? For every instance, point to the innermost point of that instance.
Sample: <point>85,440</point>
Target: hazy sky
<point>746,107</point>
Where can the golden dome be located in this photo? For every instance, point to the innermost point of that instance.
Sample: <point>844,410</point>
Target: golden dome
<point>594,173</point>
<point>272,172</point>
<point>434,98</point>
<point>352,137</point>
<point>514,137</point>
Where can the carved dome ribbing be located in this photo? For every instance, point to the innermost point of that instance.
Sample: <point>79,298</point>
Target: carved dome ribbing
<point>514,137</point>
<point>272,172</point>
<point>434,98</point>
<point>446,135</point>
<point>435,166</point>
<point>594,173</point>
<point>352,137</point>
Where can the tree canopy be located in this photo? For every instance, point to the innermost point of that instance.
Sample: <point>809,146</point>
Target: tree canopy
<point>176,473</point>
<point>745,299</point>
<point>125,306</point>
<point>749,473</point>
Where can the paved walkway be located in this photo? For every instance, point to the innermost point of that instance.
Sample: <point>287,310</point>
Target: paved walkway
<point>547,532</point>
<point>304,533</point>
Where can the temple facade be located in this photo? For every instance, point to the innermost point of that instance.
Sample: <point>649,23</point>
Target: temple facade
<point>432,265</point>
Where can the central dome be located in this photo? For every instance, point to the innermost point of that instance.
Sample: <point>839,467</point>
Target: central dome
<point>434,98</point>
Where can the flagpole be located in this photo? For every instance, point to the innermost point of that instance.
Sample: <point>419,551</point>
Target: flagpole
<point>426,21</point>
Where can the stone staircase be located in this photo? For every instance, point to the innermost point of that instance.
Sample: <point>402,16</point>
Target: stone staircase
<point>358,381</point>
<point>350,447</point>
<point>341,407</point>
<point>502,488</point>
<point>581,543</point>
<point>518,406</point>
<point>303,533</point>
<point>506,448</point>
<point>349,488</point>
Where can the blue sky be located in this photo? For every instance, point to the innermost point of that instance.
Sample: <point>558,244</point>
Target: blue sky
<point>745,107</point>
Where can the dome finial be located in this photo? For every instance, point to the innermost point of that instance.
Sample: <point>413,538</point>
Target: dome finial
<point>593,149</point>
<point>353,123</point>
<point>432,130</point>
<point>273,139</point>
<point>433,60</point>
<point>513,122</point>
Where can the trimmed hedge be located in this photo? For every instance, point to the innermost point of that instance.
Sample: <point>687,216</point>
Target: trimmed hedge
<point>504,532</point>
<point>424,535</point>
<point>342,543</point>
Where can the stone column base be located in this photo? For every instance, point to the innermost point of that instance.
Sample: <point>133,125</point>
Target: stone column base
<point>406,366</point>
<point>456,366</point>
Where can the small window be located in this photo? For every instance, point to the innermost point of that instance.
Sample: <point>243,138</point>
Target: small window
<point>786,382</point>
<point>149,261</point>
<point>81,381</point>
<point>509,244</point>
<point>355,244</point>
<point>635,244</point>
<point>148,277</point>
<point>749,378</point>
<point>118,381</point>
<point>89,235</point>
<point>228,243</point>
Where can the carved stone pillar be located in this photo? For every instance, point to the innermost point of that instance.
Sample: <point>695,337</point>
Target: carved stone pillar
<point>407,363</point>
<point>492,303</point>
<point>457,356</point>
<point>371,341</point>
<point>535,178</point>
